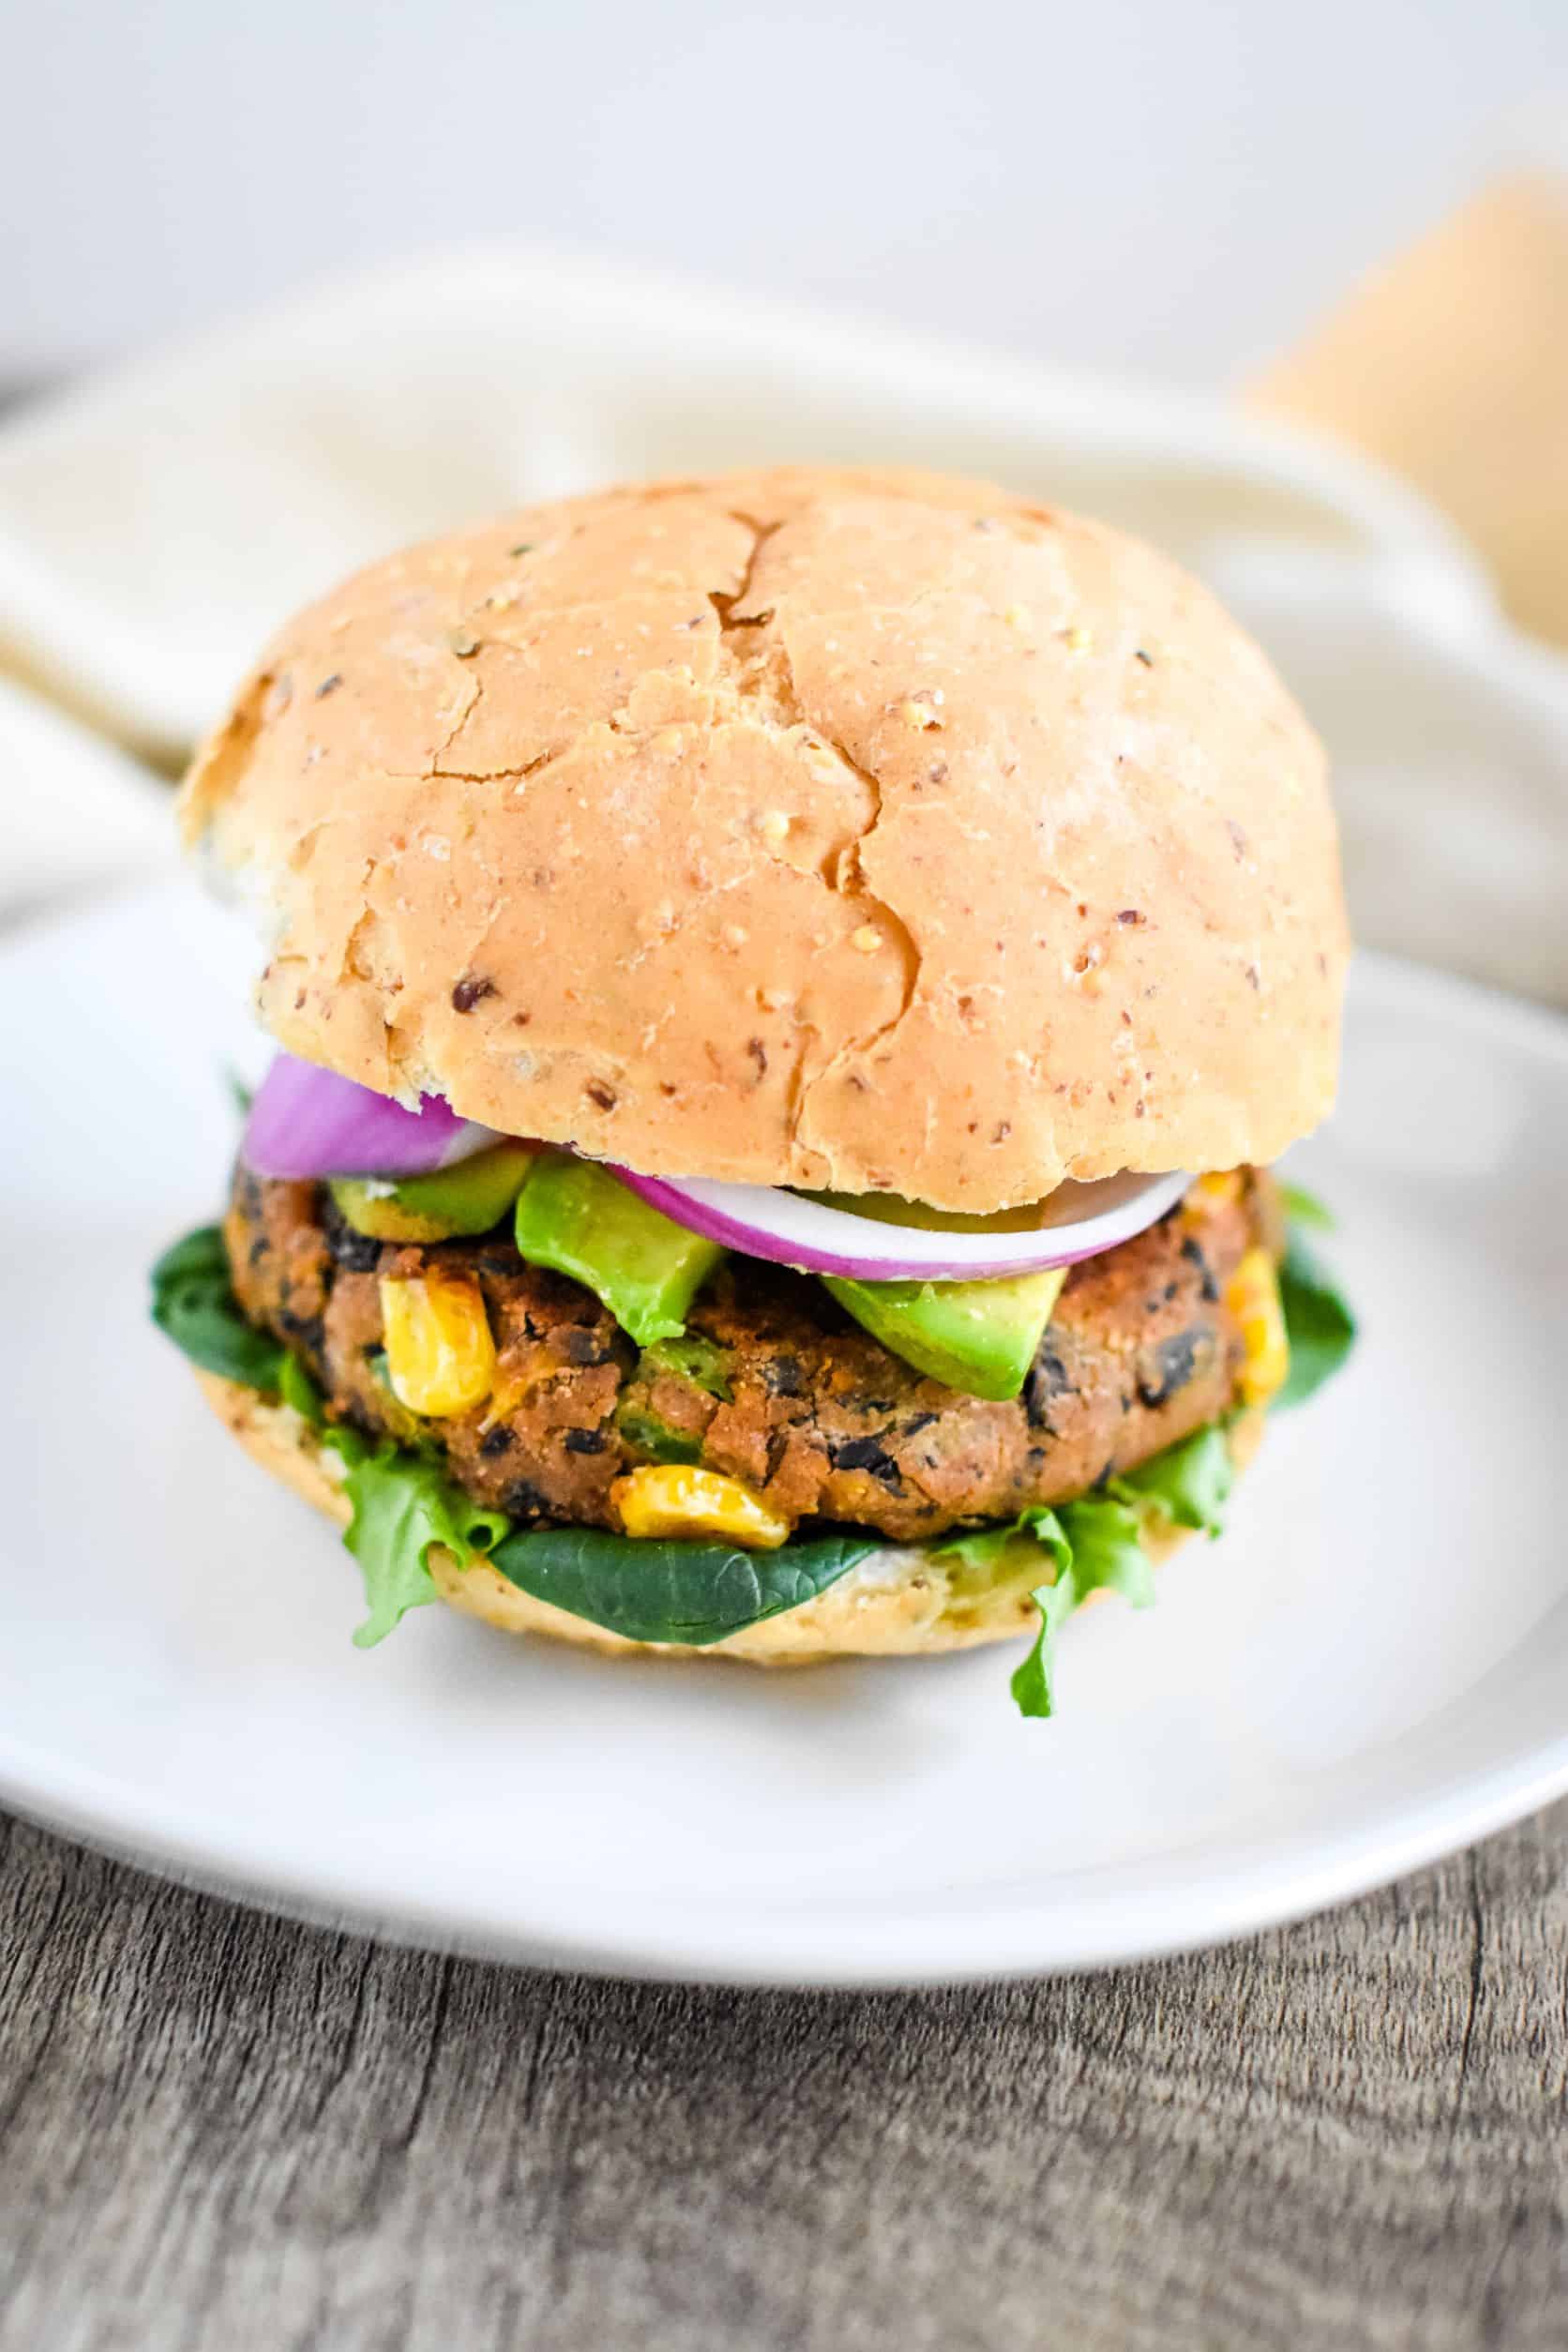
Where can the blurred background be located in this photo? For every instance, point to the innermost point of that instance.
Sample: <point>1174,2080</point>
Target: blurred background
<point>1127,185</point>
<point>1286,289</point>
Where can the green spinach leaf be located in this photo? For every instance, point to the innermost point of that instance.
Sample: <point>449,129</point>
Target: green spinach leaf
<point>195,1304</point>
<point>673,1591</point>
<point>1319,1324</point>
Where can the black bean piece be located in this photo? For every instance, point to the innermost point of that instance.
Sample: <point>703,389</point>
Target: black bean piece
<point>1192,1249</point>
<point>1164,1369</point>
<point>306,1329</point>
<point>523,1500</point>
<point>355,1252</point>
<point>584,1441</point>
<point>497,1258</point>
<point>867,1455</point>
<point>497,1441</point>
<point>1048,1378</point>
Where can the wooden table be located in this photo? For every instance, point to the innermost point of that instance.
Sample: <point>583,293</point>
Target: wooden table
<point>220,2131</point>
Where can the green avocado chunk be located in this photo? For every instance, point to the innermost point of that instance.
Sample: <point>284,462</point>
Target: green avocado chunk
<point>649,1435</point>
<point>467,1197</point>
<point>691,1358</point>
<point>977,1336</point>
<point>576,1216</point>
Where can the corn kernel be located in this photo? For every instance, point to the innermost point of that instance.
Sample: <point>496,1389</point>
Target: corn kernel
<point>1252,1296</point>
<point>1220,1191</point>
<point>672,1500</point>
<point>440,1355</point>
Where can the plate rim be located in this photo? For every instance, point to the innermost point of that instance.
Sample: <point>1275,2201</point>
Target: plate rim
<point>1255,1885</point>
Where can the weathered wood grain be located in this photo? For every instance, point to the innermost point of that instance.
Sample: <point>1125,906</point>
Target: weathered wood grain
<point>221,2132</point>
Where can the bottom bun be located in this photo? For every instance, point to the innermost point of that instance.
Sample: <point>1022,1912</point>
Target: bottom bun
<point>897,1601</point>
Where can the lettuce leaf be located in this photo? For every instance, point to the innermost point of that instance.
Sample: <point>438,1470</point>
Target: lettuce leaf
<point>1317,1322</point>
<point>296,1388</point>
<point>673,1591</point>
<point>1092,1546</point>
<point>985,1548</point>
<point>1305,1208</point>
<point>1103,1553</point>
<point>402,1506</point>
<point>1032,1683</point>
<point>1096,1544</point>
<point>1107,1537</point>
<point>1189,1483</point>
<point>193,1303</point>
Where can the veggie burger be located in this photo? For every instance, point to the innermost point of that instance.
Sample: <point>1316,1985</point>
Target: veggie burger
<point>787,986</point>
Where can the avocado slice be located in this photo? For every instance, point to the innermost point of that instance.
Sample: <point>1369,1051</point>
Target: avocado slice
<point>576,1216</point>
<point>977,1336</point>
<point>467,1197</point>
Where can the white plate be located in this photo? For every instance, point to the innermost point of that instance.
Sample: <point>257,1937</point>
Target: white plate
<point>1368,1669</point>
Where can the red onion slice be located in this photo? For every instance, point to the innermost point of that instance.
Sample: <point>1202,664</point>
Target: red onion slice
<point>306,1121</point>
<point>1077,1221</point>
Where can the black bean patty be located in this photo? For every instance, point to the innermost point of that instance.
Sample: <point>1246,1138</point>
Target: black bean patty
<point>790,1395</point>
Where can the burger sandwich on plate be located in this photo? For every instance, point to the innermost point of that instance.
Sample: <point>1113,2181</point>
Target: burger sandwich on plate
<point>786,990</point>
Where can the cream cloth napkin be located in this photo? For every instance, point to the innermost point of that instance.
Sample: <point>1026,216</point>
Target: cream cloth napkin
<point>76,812</point>
<point>156,524</point>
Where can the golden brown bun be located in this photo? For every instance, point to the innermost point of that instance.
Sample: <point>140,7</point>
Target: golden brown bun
<point>853,830</point>
<point>899,1602</point>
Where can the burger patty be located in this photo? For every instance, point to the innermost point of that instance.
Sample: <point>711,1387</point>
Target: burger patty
<point>788,1394</point>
